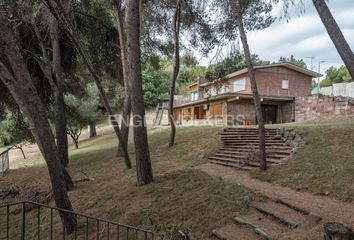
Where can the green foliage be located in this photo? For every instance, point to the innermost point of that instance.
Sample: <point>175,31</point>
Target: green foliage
<point>155,84</point>
<point>256,16</point>
<point>293,60</point>
<point>14,129</point>
<point>336,75</point>
<point>196,31</point>
<point>82,110</point>
<point>229,65</point>
<point>190,74</point>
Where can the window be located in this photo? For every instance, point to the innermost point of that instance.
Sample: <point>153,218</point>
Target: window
<point>213,91</point>
<point>285,84</point>
<point>194,95</point>
<point>222,89</point>
<point>239,85</point>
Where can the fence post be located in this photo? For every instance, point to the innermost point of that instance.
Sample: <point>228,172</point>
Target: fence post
<point>23,221</point>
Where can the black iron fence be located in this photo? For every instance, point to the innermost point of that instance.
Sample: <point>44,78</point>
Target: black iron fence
<point>29,220</point>
<point>4,162</point>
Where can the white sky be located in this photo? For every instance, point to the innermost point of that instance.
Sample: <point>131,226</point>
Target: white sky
<point>303,36</point>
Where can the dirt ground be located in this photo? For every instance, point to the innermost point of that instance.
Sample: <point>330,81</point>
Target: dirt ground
<point>32,151</point>
<point>328,208</point>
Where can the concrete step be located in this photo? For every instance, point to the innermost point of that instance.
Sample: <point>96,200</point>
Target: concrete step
<point>271,162</point>
<point>246,137</point>
<point>272,228</point>
<point>251,141</point>
<point>233,165</point>
<point>246,154</point>
<point>244,150</point>
<point>268,148</point>
<point>245,134</point>
<point>256,144</point>
<point>270,158</point>
<point>249,129</point>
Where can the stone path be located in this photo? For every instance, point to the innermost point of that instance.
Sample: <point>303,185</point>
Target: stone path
<point>327,208</point>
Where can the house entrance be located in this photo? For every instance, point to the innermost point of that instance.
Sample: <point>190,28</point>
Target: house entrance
<point>269,113</point>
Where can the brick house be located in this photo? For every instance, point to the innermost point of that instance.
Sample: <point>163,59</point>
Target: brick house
<point>230,99</point>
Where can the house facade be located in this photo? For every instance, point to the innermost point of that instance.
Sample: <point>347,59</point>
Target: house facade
<point>230,101</point>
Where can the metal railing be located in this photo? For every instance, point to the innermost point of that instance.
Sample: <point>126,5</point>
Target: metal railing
<point>4,162</point>
<point>29,220</point>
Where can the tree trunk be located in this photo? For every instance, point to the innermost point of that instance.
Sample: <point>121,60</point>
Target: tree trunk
<point>69,183</point>
<point>127,102</point>
<point>59,104</point>
<point>93,132</point>
<point>25,94</point>
<point>57,10</point>
<point>175,29</point>
<point>236,8</point>
<point>53,72</point>
<point>76,142</point>
<point>143,162</point>
<point>23,152</point>
<point>335,34</point>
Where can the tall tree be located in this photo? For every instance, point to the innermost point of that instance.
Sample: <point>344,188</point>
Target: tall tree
<point>16,77</point>
<point>54,79</point>
<point>57,9</point>
<point>59,104</point>
<point>176,25</point>
<point>335,34</point>
<point>238,11</point>
<point>123,53</point>
<point>171,21</point>
<point>52,71</point>
<point>143,161</point>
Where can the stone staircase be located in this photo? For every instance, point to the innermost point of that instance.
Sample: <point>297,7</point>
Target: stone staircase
<point>272,219</point>
<point>240,148</point>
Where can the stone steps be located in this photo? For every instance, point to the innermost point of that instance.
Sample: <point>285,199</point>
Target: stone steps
<point>242,162</point>
<point>269,220</point>
<point>242,151</point>
<point>238,144</point>
<point>244,156</point>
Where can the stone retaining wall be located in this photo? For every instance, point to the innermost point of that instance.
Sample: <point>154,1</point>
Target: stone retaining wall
<point>318,107</point>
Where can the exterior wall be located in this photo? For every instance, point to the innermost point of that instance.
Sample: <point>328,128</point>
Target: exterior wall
<point>269,82</point>
<point>239,77</point>
<point>241,110</point>
<point>244,110</point>
<point>286,112</point>
<point>339,89</point>
<point>193,88</point>
<point>323,107</point>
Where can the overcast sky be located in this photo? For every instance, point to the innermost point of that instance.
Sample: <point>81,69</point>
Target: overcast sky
<point>303,36</point>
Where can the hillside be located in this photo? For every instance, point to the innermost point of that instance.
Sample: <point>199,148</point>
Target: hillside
<point>325,165</point>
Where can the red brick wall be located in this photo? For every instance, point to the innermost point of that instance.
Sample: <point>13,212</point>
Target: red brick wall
<point>269,82</point>
<point>323,107</point>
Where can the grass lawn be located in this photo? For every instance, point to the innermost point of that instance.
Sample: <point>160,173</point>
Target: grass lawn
<point>181,197</point>
<point>325,165</point>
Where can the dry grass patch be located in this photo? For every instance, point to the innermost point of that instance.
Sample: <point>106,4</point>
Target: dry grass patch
<point>181,197</point>
<point>325,165</point>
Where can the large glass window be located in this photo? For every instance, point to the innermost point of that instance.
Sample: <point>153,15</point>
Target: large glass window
<point>194,95</point>
<point>239,85</point>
